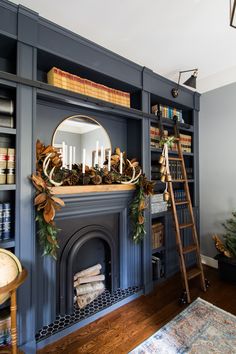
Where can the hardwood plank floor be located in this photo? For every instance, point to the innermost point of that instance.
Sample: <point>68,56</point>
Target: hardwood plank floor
<point>125,328</point>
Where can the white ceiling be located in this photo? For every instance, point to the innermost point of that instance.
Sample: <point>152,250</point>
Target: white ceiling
<point>163,35</point>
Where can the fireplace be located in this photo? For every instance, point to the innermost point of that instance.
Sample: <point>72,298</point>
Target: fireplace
<point>90,245</point>
<point>94,229</point>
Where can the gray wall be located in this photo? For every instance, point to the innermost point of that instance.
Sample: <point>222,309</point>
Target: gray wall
<point>217,162</point>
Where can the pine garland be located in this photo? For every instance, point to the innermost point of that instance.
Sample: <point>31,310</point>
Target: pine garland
<point>230,235</point>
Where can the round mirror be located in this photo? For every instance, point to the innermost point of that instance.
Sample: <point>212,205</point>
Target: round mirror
<point>81,139</point>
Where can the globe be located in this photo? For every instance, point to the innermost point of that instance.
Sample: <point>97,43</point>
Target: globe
<point>9,269</point>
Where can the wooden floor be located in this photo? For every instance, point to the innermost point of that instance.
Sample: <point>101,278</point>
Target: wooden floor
<point>125,328</point>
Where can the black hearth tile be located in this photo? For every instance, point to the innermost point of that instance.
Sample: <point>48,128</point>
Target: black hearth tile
<point>102,302</point>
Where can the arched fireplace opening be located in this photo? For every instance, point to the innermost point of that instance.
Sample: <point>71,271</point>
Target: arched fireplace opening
<point>87,247</point>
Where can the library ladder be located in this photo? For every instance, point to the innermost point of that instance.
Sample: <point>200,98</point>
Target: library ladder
<point>196,271</point>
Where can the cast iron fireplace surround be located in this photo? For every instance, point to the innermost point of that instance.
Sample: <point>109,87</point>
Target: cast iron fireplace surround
<point>88,246</point>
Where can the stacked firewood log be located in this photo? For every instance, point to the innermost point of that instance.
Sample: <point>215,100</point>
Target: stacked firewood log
<point>88,285</point>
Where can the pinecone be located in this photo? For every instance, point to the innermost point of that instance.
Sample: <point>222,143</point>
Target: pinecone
<point>108,179</point>
<point>96,179</point>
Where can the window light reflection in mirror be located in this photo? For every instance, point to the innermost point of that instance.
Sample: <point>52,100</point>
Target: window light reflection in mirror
<point>81,139</point>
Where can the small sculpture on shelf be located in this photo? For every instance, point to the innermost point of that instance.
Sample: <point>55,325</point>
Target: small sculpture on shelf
<point>115,169</point>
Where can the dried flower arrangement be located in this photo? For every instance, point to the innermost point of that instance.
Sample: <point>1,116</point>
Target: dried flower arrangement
<point>48,159</point>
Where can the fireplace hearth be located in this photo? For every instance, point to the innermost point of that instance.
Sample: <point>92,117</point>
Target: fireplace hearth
<point>104,301</point>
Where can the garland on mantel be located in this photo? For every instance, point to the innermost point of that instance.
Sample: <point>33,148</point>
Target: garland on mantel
<point>49,173</point>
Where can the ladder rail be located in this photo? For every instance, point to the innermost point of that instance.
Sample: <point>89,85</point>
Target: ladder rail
<point>190,208</point>
<point>187,274</point>
<point>178,241</point>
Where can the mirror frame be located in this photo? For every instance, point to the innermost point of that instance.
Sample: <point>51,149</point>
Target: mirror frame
<point>80,115</point>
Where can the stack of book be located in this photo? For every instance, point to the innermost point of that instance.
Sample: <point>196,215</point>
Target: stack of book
<point>7,165</point>
<point>158,205</point>
<point>175,169</point>
<point>186,143</point>
<point>65,80</point>
<point>167,112</point>
<point>6,113</point>
<point>5,221</point>
<point>189,171</point>
<point>157,235</point>
<point>5,328</point>
<point>154,137</point>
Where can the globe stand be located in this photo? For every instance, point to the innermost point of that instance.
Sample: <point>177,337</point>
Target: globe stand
<point>11,289</point>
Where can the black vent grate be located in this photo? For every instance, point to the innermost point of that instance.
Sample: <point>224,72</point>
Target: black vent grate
<point>103,301</point>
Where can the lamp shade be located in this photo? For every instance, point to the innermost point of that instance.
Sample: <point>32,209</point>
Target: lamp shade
<point>233,13</point>
<point>191,82</point>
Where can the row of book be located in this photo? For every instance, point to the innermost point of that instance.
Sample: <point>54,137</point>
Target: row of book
<point>186,143</point>
<point>154,137</point>
<point>168,112</point>
<point>179,195</point>
<point>7,165</point>
<point>185,140</point>
<point>5,221</point>
<point>157,235</point>
<point>6,113</point>
<point>175,171</point>
<point>5,328</point>
<point>65,80</point>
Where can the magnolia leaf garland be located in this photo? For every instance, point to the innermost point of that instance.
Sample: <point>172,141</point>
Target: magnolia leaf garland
<point>47,204</point>
<point>144,189</point>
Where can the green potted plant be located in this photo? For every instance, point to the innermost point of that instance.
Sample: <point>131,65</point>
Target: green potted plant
<point>227,256</point>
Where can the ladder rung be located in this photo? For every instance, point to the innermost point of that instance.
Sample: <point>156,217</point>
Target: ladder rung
<point>185,226</point>
<point>190,248</point>
<point>178,180</point>
<point>182,202</point>
<point>193,272</point>
<point>175,159</point>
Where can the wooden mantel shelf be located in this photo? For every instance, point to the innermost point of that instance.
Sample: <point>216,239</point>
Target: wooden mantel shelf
<point>92,189</point>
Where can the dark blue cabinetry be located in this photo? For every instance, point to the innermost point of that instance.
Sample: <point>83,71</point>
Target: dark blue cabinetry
<point>29,47</point>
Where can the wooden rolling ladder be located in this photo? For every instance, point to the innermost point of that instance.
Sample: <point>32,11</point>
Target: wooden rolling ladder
<point>196,271</point>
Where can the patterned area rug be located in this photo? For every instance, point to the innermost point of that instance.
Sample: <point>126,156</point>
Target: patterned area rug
<point>201,328</point>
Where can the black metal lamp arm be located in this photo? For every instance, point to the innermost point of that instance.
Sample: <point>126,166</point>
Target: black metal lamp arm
<point>175,91</point>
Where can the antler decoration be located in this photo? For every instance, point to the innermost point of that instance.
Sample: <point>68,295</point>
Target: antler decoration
<point>134,178</point>
<point>46,163</point>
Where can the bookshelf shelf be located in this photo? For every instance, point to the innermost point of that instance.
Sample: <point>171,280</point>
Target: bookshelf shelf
<point>7,187</point>
<point>159,249</point>
<point>10,131</point>
<point>7,244</point>
<point>159,215</point>
<point>171,152</point>
<point>170,123</point>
